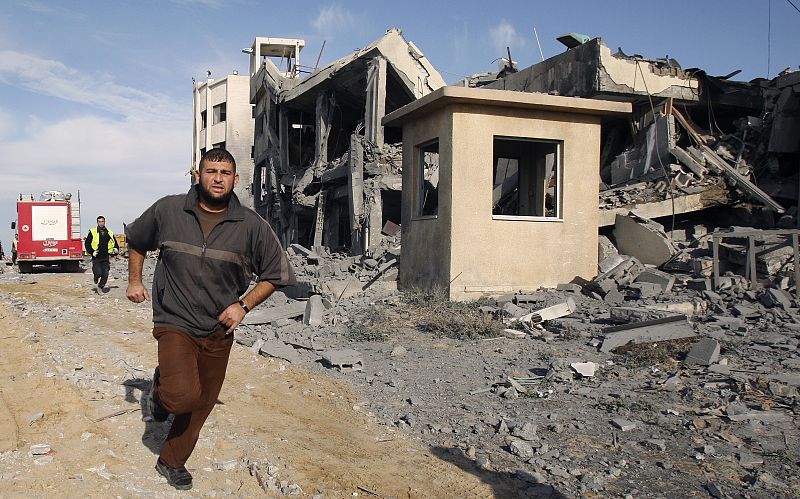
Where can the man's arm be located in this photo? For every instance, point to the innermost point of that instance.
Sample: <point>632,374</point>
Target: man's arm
<point>234,314</point>
<point>136,291</point>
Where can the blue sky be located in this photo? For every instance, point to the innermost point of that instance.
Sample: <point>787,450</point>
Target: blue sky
<point>96,95</point>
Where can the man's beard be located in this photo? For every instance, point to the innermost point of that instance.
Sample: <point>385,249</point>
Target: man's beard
<point>212,200</point>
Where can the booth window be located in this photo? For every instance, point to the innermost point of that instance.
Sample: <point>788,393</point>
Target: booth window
<point>526,178</point>
<point>428,179</point>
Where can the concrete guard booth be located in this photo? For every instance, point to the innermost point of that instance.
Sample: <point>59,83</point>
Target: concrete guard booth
<point>500,190</point>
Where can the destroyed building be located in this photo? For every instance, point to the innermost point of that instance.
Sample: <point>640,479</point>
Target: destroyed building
<point>698,152</point>
<point>691,138</point>
<point>325,174</point>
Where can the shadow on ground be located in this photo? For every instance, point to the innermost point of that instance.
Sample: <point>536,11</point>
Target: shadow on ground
<point>503,484</point>
<point>154,432</point>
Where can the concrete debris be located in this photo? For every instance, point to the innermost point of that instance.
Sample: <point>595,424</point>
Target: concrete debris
<point>623,424</point>
<point>668,328</point>
<point>643,239</point>
<point>280,350</point>
<point>705,352</point>
<point>344,360</point>
<point>549,313</point>
<point>312,315</point>
<point>585,369</point>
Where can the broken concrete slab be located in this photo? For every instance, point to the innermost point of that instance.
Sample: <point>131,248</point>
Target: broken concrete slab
<point>705,352</point>
<point>621,274</point>
<point>280,350</point>
<point>668,328</point>
<point>644,239</point>
<point>666,281</point>
<point>776,298</point>
<point>265,315</point>
<point>312,315</point>
<point>345,359</point>
<point>554,312</point>
<point>623,424</point>
<point>646,290</point>
<point>585,369</point>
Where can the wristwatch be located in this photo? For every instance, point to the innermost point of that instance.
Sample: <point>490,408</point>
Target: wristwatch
<point>244,306</point>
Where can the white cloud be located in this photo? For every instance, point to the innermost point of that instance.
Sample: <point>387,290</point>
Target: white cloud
<point>120,167</point>
<point>121,162</point>
<point>53,78</point>
<point>333,19</point>
<point>503,35</point>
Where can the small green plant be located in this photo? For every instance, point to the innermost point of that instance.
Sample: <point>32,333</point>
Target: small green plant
<point>651,354</point>
<point>433,312</point>
<point>613,406</point>
<point>369,325</point>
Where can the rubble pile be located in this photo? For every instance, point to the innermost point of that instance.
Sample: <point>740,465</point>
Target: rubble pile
<point>614,386</point>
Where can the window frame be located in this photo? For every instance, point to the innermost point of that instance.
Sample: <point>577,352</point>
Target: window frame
<point>558,194</point>
<point>219,113</point>
<point>419,184</point>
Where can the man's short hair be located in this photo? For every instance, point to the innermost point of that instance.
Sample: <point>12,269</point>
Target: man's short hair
<point>101,216</point>
<point>217,155</point>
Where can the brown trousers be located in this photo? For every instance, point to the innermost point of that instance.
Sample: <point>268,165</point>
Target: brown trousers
<point>192,370</point>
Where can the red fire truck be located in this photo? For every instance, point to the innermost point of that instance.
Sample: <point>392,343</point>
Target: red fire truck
<point>48,231</point>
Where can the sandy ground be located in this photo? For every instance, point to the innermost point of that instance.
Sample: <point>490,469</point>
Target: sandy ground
<point>78,358</point>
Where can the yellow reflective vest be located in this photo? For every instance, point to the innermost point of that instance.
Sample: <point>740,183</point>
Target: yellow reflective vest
<point>96,240</point>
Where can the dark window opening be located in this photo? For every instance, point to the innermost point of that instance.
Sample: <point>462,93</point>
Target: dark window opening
<point>428,183</point>
<point>526,178</point>
<point>219,113</point>
<point>203,120</point>
<point>391,204</point>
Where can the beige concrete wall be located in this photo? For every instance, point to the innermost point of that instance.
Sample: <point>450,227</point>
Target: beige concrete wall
<point>240,127</point>
<point>491,256</point>
<point>426,242</point>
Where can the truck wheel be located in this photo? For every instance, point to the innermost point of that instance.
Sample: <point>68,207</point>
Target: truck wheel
<point>25,267</point>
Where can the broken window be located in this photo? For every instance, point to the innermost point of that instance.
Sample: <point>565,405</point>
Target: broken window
<point>203,120</point>
<point>527,178</point>
<point>428,174</point>
<point>219,113</point>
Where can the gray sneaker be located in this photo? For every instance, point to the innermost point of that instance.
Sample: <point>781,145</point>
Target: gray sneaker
<point>180,478</point>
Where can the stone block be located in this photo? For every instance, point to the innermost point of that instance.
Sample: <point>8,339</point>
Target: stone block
<point>669,328</point>
<point>312,316</point>
<point>705,352</point>
<point>643,239</point>
<point>664,280</point>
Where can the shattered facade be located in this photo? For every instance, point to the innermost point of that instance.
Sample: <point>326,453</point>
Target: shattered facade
<point>325,173</point>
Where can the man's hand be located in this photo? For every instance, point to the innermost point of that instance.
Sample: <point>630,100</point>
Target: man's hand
<point>231,317</point>
<point>137,293</point>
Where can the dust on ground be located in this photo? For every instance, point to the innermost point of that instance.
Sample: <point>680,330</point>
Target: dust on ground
<point>73,368</point>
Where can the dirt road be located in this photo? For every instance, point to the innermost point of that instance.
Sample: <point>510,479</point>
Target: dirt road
<point>72,358</point>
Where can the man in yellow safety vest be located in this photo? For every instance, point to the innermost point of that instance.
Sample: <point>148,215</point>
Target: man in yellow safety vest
<point>101,244</point>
